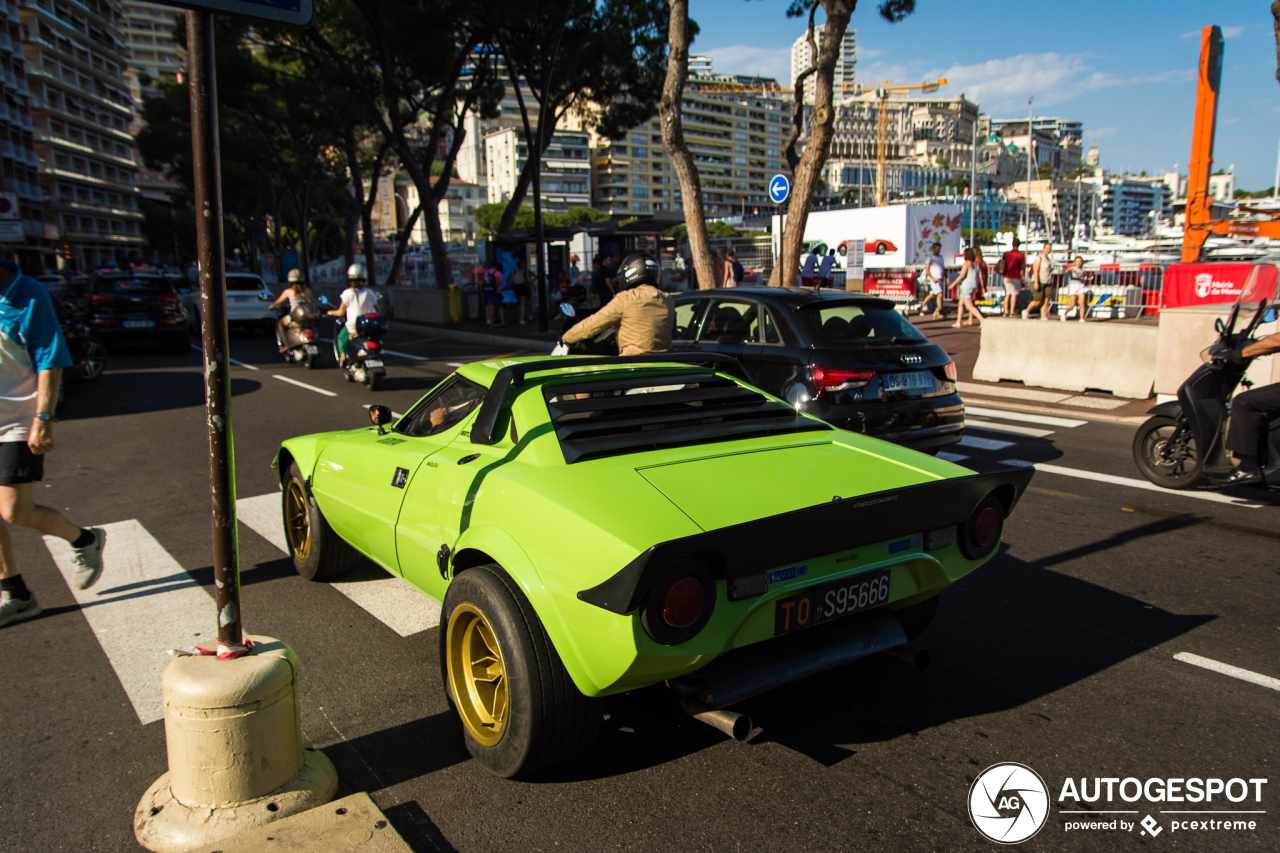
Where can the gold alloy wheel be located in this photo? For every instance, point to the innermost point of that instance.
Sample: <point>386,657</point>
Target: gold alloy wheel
<point>297,521</point>
<point>477,676</point>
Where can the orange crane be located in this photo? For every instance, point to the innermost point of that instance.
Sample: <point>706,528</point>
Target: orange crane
<point>1199,219</point>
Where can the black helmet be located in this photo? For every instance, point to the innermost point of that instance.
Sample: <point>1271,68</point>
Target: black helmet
<point>639,269</point>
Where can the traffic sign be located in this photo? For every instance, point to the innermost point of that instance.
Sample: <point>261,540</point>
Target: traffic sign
<point>296,12</point>
<point>9,206</point>
<point>779,189</point>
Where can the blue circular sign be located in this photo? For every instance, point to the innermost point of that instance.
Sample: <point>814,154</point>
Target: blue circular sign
<point>779,189</point>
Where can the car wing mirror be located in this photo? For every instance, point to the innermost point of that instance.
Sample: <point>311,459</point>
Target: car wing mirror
<point>380,415</point>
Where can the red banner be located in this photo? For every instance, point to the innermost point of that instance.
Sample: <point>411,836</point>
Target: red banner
<point>1205,284</point>
<point>901,283</point>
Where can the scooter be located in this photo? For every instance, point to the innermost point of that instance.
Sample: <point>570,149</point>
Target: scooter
<point>364,362</point>
<point>88,354</point>
<point>301,343</point>
<point>1183,441</point>
<point>605,343</point>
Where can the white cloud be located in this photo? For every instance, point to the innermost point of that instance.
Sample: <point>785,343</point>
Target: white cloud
<point>1102,132</point>
<point>754,61</point>
<point>1233,32</point>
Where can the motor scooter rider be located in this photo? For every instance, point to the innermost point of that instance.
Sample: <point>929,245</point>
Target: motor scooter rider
<point>357,300</point>
<point>644,315</point>
<point>1250,413</point>
<point>298,295</point>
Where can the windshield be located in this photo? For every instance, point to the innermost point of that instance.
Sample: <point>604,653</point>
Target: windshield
<point>244,282</point>
<point>1260,285</point>
<point>852,325</point>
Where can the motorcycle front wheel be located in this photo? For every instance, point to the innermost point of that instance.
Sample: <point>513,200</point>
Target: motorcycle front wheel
<point>1181,469</point>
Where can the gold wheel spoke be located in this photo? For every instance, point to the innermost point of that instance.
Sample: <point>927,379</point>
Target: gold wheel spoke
<point>478,675</point>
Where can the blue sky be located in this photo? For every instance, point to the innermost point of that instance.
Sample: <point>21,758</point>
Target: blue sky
<point>1126,68</point>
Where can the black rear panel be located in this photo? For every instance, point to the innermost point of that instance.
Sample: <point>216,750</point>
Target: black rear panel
<point>636,413</point>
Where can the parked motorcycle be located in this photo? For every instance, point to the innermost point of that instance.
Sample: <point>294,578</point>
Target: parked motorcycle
<point>365,363</point>
<point>88,354</point>
<point>301,342</point>
<point>1184,440</point>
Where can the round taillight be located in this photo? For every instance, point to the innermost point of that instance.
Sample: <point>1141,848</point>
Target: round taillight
<point>985,526</point>
<point>682,601</point>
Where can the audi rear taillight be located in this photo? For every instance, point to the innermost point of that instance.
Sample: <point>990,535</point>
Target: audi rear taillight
<point>682,601</point>
<point>949,371</point>
<point>834,380</point>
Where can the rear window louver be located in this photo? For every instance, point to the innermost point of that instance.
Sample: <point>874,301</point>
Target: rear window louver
<point>628,415</point>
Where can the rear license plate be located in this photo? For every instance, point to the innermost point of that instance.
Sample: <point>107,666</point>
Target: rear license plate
<point>373,362</point>
<point>138,324</point>
<point>313,350</point>
<point>917,380</point>
<point>828,601</point>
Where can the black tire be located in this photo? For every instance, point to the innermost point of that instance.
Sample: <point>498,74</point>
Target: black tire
<point>915,618</point>
<point>544,719</point>
<point>373,379</point>
<point>91,360</point>
<point>1183,471</point>
<point>317,552</point>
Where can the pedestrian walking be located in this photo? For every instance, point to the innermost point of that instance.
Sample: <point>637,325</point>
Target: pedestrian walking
<point>601,285</point>
<point>736,273</point>
<point>1012,268</point>
<point>809,272</point>
<point>520,287</point>
<point>935,274</point>
<point>1077,289</point>
<point>824,268</point>
<point>1041,283</point>
<point>32,355</point>
<point>969,282</point>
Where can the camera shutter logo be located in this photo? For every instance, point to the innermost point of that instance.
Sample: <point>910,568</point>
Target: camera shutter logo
<point>1008,803</point>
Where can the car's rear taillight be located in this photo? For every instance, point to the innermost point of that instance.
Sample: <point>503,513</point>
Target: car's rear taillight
<point>99,299</point>
<point>980,533</point>
<point>679,604</point>
<point>949,371</point>
<point>308,334</point>
<point>167,297</point>
<point>833,380</point>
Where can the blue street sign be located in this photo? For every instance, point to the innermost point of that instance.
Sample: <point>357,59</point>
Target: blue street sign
<point>779,189</point>
<point>296,12</point>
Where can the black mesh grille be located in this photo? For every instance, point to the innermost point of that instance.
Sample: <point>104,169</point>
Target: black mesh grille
<point>626,415</point>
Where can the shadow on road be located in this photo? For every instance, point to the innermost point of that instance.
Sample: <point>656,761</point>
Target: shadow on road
<point>139,393</point>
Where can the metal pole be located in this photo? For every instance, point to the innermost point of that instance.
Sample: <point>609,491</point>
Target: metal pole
<point>973,183</point>
<point>210,252</point>
<point>1031,145</point>
<point>1275,188</point>
<point>543,318</point>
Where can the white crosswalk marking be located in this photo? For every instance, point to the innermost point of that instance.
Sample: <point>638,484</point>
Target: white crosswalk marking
<point>984,443</point>
<point>951,457</point>
<point>1130,482</point>
<point>989,426</point>
<point>391,600</point>
<point>143,605</point>
<point>1023,417</point>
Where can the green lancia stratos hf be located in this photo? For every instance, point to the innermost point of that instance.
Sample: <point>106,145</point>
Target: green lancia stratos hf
<point>596,525</point>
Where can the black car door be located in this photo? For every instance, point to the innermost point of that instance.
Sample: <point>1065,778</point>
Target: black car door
<point>781,361</point>
<point>731,325</point>
<point>684,335</point>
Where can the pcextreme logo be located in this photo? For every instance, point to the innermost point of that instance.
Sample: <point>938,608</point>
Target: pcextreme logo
<point>1009,803</point>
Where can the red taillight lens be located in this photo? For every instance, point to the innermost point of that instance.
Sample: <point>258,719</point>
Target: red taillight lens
<point>984,526</point>
<point>99,299</point>
<point>308,334</point>
<point>682,601</point>
<point>372,344</point>
<point>949,371</point>
<point>168,297</point>
<point>833,380</point>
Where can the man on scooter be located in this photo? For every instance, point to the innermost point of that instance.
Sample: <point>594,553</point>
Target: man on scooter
<point>1250,413</point>
<point>644,315</point>
<point>356,302</point>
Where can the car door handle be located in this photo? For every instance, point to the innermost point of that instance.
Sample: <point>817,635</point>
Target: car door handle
<point>472,458</point>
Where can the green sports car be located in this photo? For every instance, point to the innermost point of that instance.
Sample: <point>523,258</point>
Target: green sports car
<point>595,525</point>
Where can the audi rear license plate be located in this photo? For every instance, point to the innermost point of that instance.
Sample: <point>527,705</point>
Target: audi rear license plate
<point>138,324</point>
<point>373,362</point>
<point>828,601</point>
<point>916,380</point>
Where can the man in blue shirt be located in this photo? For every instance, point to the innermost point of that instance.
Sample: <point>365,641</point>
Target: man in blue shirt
<point>32,355</point>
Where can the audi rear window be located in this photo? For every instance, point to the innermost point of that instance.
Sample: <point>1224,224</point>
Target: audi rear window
<point>244,282</point>
<point>852,325</point>
<point>137,286</point>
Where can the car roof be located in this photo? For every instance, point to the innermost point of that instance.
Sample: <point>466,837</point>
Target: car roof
<point>796,297</point>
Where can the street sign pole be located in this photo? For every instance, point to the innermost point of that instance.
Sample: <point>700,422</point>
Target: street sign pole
<point>211,254</point>
<point>779,191</point>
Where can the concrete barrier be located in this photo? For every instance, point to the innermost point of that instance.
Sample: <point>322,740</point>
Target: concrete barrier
<point>1187,330</point>
<point>1115,357</point>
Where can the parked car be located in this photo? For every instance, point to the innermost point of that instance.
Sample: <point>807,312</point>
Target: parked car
<point>249,302</point>
<point>849,359</point>
<point>597,525</point>
<point>125,308</point>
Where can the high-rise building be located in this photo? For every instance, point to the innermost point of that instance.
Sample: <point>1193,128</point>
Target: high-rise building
<point>18,158</point>
<point>565,173</point>
<point>147,29</point>
<point>802,57</point>
<point>81,110</point>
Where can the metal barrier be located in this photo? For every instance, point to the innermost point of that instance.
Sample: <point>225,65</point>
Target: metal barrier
<point>1115,292</point>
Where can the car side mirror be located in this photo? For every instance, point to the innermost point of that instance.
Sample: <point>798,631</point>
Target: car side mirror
<point>380,415</point>
<point>568,310</point>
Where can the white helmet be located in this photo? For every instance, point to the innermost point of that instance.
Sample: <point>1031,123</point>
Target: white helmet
<point>295,276</point>
<point>357,271</point>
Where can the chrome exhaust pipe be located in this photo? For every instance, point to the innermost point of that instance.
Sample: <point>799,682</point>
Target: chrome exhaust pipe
<point>731,723</point>
<point>916,658</point>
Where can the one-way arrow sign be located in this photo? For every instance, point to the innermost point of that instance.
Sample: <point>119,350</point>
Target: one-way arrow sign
<point>779,189</point>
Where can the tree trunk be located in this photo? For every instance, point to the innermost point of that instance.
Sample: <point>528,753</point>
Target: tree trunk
<point>673,142</point>
<point>1275,13</point>
<point>435,239</point>
<point>808,173</point>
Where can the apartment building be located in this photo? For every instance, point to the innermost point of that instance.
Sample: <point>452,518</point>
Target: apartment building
<point>564,173</point>
<point>154,54</point>
<point>1128,205</point>
<point>802,57</point>
<point>81,109</point>
<point>457,211</point>
<point>18,159</point>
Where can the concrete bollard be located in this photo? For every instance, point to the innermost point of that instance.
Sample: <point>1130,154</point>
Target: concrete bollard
<point>236,759</point>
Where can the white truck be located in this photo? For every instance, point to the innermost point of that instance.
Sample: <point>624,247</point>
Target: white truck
<point>896,235</point>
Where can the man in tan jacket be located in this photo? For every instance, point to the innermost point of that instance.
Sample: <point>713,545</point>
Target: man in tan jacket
<point>643,314</point>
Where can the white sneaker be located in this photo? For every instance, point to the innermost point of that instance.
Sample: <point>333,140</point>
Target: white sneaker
<point>16,609</point>
<point>88,560</point>
<point>1082,319</point>
<point>1026,313</point>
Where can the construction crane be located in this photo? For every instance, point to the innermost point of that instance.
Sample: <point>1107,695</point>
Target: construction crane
<point>881,91</point>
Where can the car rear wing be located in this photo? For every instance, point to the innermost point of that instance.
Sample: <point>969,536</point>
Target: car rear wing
<point>743,553</point>
<point>484,431</point>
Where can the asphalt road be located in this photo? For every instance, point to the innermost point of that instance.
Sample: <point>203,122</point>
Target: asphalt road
<point>1058,654</point>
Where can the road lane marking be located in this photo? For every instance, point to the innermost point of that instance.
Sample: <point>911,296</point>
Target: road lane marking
<point>454,363</point>
<point>951,457</point>
<point>391,600</point>
<point>232,360</point>
<point>1131,483</point>
<point>304,385</point>
<point>1228,669</point>
<point>984,443</point>
<point>407,355</point>
<point>1012,393</point>
<point>988,426</point>
<point>144,604</point>
<point>1047,420</point>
